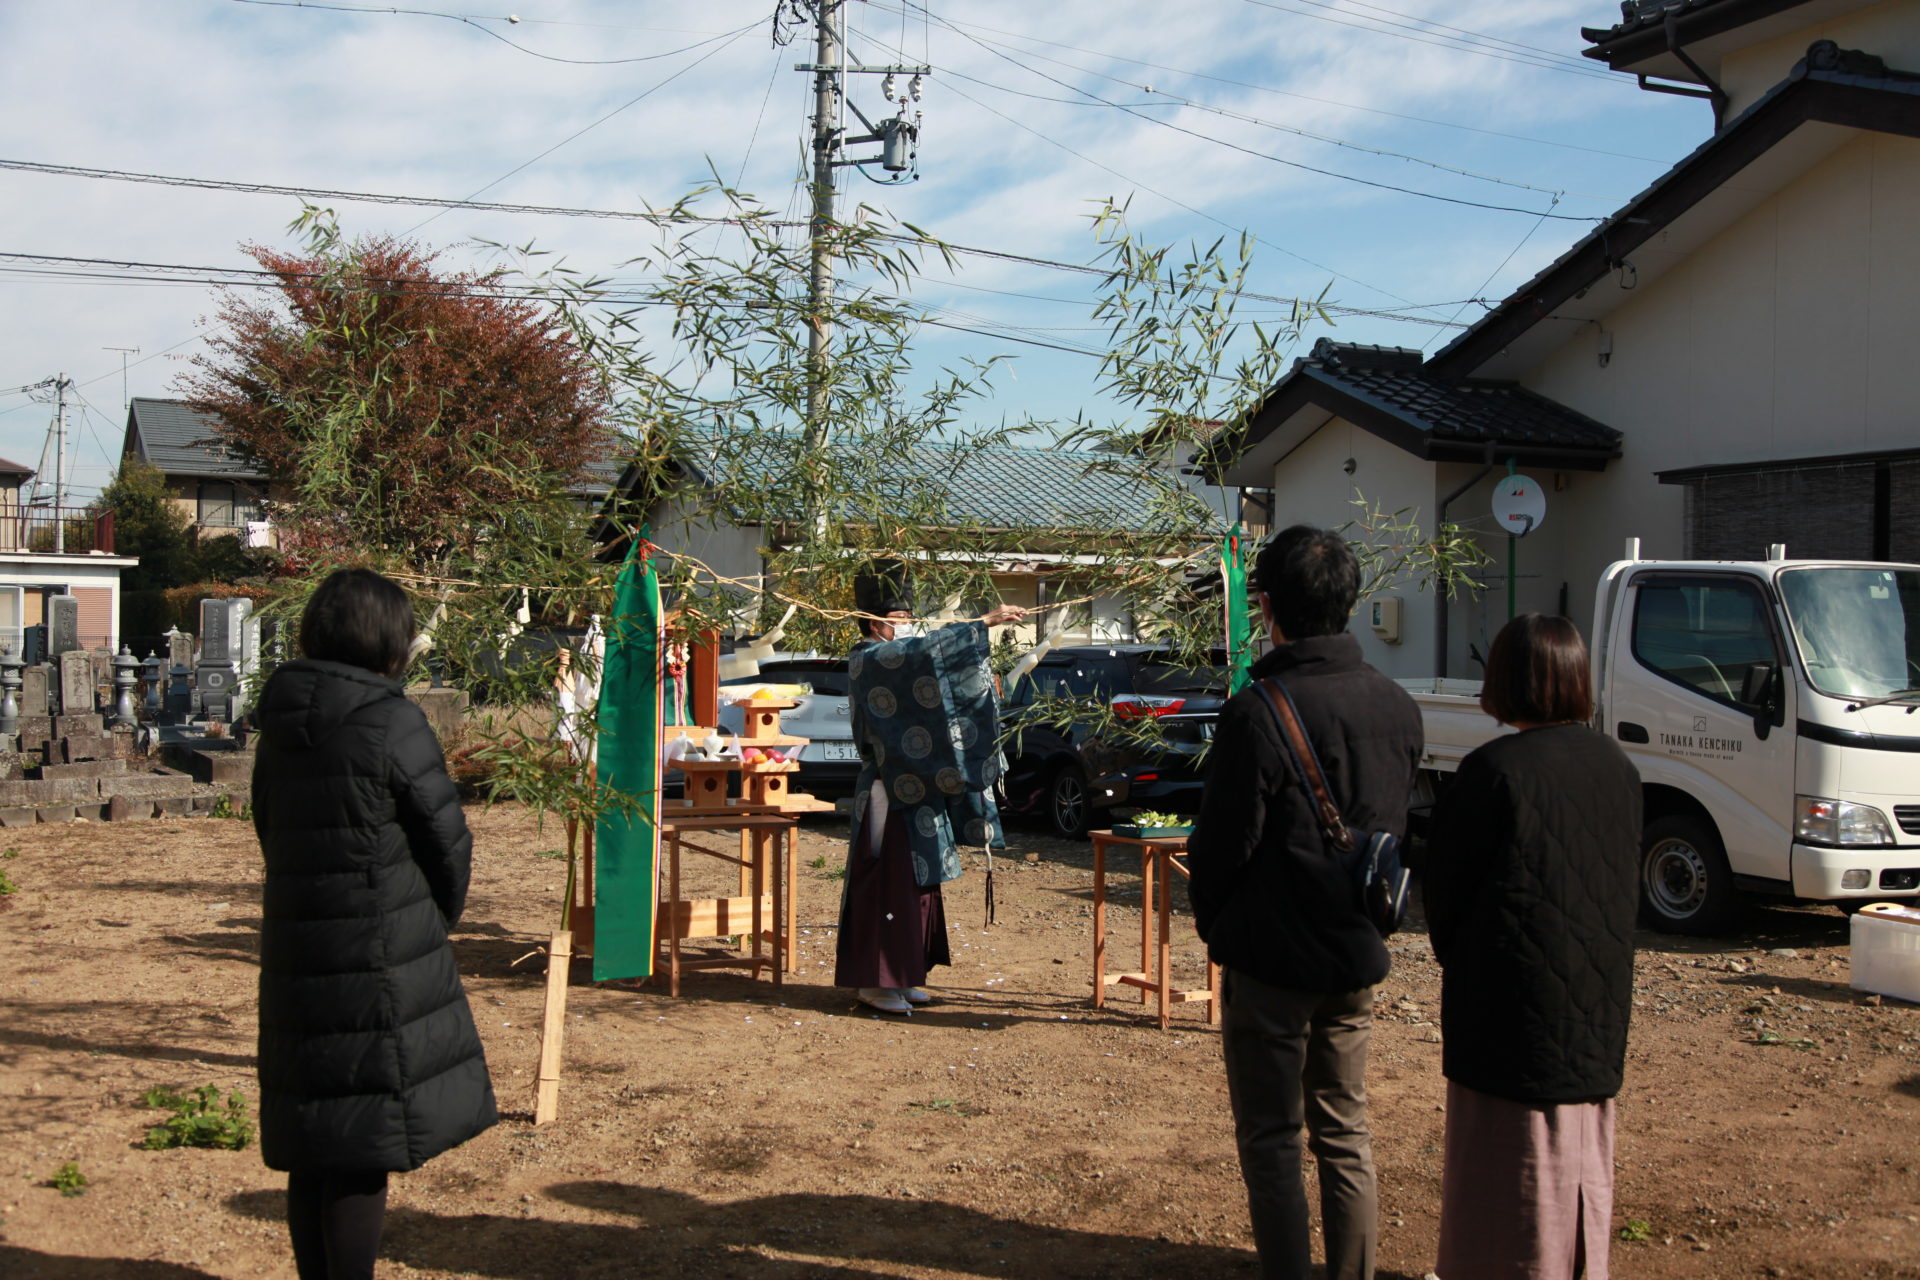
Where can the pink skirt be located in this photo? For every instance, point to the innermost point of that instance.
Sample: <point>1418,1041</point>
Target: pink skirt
<point>1527,1193</point>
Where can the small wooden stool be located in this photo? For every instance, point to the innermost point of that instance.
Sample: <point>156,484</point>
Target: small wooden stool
<point>1159,858</point>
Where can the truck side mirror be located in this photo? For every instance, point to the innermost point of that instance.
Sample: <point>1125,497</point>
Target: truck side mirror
<point>1760,690</point>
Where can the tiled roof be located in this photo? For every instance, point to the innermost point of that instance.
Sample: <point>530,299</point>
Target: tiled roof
<point>182,442</point>
<point>10,468</point>
<point>1009,488</point>
<point>1638,14</point>
<point>1466,410</point>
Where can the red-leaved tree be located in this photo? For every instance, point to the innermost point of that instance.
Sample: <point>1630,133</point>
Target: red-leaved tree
<point>397,409</point>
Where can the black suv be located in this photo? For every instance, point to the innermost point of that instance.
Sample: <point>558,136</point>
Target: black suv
<point>1065,769</point>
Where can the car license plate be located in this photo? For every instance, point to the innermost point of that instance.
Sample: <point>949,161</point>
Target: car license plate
<point>839,751</point>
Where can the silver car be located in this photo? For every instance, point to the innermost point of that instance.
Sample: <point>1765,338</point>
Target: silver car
<point>829,763</point>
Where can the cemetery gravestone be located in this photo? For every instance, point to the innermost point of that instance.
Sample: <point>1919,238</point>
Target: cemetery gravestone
<point>179,649</point>
<point>34,684</point>
<point>223,636</point>
<point>76,683</point>
<point>63,625</point>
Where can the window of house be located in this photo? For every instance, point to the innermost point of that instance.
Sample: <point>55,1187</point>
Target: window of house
<point>1703,633</point>
<point>216,505</point>
<point>12,619</point>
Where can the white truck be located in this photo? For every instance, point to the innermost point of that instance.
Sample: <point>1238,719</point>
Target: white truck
<point>1773,710</point>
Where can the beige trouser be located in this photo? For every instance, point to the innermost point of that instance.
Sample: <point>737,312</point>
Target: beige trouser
<point>1298,1059</point>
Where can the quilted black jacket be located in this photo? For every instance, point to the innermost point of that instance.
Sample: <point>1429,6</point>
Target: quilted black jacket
<point>1268,896</point>
<point>368,1054</point>
<point>1532,883</point>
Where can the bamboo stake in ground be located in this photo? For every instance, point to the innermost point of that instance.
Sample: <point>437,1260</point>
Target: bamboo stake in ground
<point>546,1101</point>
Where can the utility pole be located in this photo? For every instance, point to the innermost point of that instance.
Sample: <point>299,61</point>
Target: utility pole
<point>897,137</point>
<point>829,77</point>
<point>61,386</point>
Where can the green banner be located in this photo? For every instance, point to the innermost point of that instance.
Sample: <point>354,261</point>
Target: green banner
<point>1239,632</point>
<point>627,848</point>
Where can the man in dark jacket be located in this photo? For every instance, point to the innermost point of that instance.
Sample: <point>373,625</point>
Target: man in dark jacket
<point>1283,915</point>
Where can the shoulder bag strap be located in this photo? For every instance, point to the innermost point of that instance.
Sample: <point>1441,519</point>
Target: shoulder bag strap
<point>1305,762</point>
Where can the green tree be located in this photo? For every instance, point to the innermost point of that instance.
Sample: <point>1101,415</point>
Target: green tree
<point>148,525</point>
<point>398,407</point>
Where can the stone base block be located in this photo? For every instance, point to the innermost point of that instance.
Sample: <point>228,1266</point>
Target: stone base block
<point>173,806</point>
<point>162,785</point>
<point>58,813</point>
<point>127,809</point>
<point>82,726</point>
<point>19,817</point>
<point>50,791</point>
<point>10,766</point>
<point>85,769</point>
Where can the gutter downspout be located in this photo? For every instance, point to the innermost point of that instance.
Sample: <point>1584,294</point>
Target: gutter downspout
<point>1714,93</point>
<point>1440,601</point>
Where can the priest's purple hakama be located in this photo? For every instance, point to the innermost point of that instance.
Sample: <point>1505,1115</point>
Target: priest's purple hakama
<point>925,720</point>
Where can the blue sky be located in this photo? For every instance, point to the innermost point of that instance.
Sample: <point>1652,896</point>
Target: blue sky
<point>1216,102</point>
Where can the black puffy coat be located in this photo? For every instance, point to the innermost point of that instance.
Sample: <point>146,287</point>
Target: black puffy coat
<point>1532,885</point>
<point>368,1054</point>
<point>1269,896</point>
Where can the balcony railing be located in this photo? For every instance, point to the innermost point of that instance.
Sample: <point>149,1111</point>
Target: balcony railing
<point>55,530</point>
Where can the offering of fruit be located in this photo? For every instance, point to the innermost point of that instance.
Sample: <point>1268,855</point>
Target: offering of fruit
<point>753,753</point>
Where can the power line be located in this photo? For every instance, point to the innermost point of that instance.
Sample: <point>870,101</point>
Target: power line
<point>359,197</point>
<point>1162,97</point>
<point>314,193</point>
<point>1292,164</point>
<point>1283,93</point>
<point>642,96</point>
<point>475,24</point>
<point>1440,42</point>
<point>1478,35</point>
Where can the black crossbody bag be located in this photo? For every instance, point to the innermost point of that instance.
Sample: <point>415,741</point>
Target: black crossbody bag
<point>1372,858</point>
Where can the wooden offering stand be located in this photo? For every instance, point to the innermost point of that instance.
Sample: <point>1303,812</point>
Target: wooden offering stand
<point>764,813</point>
<point>1159,858</point>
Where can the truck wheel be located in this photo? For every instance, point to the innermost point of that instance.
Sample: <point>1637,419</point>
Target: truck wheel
<point>1686,885</point>
<point>1070,803</point>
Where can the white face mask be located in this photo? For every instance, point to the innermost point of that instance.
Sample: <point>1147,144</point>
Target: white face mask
<point>905,630</point>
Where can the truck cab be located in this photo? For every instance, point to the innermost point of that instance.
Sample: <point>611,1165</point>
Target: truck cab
<point>1773,710</point>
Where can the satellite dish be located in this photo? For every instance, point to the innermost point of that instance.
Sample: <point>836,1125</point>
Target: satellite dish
<point>1519,504</point>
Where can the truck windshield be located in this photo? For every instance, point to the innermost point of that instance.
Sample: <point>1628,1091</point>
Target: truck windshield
<point>1859,629</point>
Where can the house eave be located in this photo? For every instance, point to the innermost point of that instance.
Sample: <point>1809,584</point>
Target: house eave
<point>1825,89</point>
<point>1706,34</point>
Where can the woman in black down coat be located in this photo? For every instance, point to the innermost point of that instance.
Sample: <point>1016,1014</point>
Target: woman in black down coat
<point>369,1061</point>
<point>1531,889</point>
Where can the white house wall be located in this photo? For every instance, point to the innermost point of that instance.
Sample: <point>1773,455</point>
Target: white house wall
<point>1886,30</point>
<point>1312,486</point>
<point>1789,335</point>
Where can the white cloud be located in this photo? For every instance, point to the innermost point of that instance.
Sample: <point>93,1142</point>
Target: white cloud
<point>393,103</point>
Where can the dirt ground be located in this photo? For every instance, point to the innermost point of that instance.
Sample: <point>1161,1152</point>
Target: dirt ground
<point>1768,1125</point>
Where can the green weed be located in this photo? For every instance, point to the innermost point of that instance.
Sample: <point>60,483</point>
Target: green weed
<point>1636,1231</point>
<point>199,1119</point>
<point>6,883</point>
<point>224,807</point>
<point>818,862</point>
<point>551,853</point>
<point>9,853</point>
<point>68,1180</point>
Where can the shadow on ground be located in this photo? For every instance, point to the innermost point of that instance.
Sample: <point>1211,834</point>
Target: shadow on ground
<point>22,1263</point>
<point>804,1236</point>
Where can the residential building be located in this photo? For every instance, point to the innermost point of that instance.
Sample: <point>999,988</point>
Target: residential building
<point>219,492</point>
<point>1723,364</point>
<point>1048,510</point>
<point>48,551</point>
